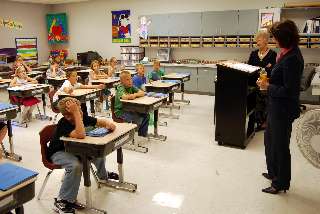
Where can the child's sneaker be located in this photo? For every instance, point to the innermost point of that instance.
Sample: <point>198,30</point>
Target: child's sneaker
<point>62,207</point>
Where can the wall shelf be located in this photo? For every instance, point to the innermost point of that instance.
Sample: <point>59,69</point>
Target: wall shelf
<point>229,41</point>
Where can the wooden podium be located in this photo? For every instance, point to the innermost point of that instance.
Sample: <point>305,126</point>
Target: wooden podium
<point>235,102</point>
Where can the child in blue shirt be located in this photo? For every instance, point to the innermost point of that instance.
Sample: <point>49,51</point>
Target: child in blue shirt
<point>139,79</point>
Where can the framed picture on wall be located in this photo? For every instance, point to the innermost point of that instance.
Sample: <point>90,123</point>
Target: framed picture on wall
<point>57,27</point>
<point>267,17</point>
<point>121,26</point>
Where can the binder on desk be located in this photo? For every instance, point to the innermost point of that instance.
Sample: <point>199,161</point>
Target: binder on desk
<point>12,175</point>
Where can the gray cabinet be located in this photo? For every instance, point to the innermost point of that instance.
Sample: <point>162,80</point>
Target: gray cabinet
<point>184,24</point>
<point>191,85</point>
<point>159,25</point>
<point>206,78</point>
<point>219,23</point>
<point>248,22</point>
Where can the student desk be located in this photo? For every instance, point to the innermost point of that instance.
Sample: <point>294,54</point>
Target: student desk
<point>4,83</point>
<point>165,88</point>
<point>9,114</point>
<point>132,73</point>
<point>33,73</point>
<point>83,95</point>
<point>56,82</point>
<point>315,84</point>
<point>41,68</point>
<point>32,90</point>
<point>15,198</point>
<point>146,105</point>
<point>182,77</point>
<point>98,147</point>
<point>109,82</point>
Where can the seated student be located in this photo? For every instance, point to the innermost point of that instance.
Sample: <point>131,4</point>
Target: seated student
<point>139,80</point>
<point>73,125</point>
<point>157,73</point>
<point>127,91</point>
<point>55,70</point>
<point>3,133</point>
<point>96,74</point>
<point>19,62</point>
<point>27,103</point>
<point>114,67</point>
<point>70,84</point>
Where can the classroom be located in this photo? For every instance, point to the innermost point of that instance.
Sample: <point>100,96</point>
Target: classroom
<point>161,107</point>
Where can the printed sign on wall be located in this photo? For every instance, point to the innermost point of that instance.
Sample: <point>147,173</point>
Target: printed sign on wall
<point>121,26</point>
<point>10,24</point>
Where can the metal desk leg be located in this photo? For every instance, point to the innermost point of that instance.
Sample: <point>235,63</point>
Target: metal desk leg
<point>92,108</point>
<point>12,155</point>
<point>155,135</point>
<point>19,210</point>
<point>44,116</point>
<point>121,185</point>
<point>87,185</point>
<point>171,106</point>
<point>135,146</point>
<point>182,95</point>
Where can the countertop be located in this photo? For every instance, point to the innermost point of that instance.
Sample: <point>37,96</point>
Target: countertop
<point>185,65</point>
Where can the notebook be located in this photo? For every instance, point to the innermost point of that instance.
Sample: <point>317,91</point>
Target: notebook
<point>96,132</point>
<point>12,175</point>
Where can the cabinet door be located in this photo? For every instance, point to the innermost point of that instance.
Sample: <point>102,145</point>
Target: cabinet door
<point>248,22</point>
<point>219,23</point>
<point>206,78</point>
<point>158,25</point>
<point>184,24</point>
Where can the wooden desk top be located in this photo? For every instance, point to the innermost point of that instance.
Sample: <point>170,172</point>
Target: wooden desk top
<point>160,84</point>
<point>80,92</point>
<point>121,129</point>
<point>107,81</point>
<point>28,87</point>
<point>176,75</point>
<point>12,190</point>
<point>85,71</point>
<point>144,100</point>
<point>130,71</point>
<point>56,78</point>
<point>4,81</point>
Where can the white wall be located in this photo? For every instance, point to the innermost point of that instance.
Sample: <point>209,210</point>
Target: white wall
<point>90,24</point>
<point>33,18</point>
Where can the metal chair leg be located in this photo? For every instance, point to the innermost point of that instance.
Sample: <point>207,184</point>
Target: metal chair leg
<point>95,176</point>
<point>44,184</point>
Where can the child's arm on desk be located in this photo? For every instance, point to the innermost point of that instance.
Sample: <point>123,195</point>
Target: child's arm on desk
<point>106,124</point>
<point>33,81</point>
<point>74,109</point>
<point>133,96</point>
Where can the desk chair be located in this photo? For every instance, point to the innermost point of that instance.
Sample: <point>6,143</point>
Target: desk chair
<point>53,108</point>
<point>307,75</point>
<point>114,117</point>
<point>46,135</point>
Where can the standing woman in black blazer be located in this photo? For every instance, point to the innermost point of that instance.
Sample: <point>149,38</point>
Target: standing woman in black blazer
<point>266,58</point>
<point>283,91</point>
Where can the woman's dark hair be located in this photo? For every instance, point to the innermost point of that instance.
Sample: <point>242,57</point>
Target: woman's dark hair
<point>286,33</point>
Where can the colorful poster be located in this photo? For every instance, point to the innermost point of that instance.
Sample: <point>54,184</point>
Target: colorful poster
<point>57,26</point>
<point>27,49</point>
<point>10,24</point>
<point>266,20</point>
<point>268,16</point>
<point>121,26</point>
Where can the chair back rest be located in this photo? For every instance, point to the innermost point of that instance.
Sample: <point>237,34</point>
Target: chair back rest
<point>307,75</point>
<point>46,135</point>
<point>114,117</point>
<point>51,95</point>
